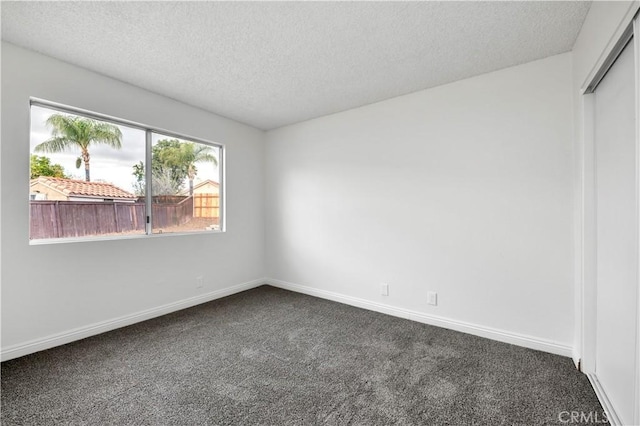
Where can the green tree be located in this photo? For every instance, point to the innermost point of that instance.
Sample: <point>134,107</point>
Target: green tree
<point>173,162</point>
<point>70,131</point>
<point>192,153</point>
<point>41,166</point>
<point>138,185</point>
<point>163,184</point>
<point>166,164</point>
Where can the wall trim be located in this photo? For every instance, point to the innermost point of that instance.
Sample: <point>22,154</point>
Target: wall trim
<point>587,288</point>
<point>612,416</point>
<point>636,46</point>
<point>79,333</point>
<point>465,327</point>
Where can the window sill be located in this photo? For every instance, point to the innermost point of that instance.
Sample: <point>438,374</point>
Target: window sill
<point>46,241</point>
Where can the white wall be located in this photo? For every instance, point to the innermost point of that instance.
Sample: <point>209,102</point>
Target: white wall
<point>54,289</point>
<point>464,189</point>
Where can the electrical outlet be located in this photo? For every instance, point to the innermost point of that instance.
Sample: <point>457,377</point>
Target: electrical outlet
<point>199,281</point>
<point>432,298</point>
<point>384,289</point>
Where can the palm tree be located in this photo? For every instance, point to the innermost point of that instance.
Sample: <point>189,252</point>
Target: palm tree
<point>71,131</point>
<point>192,153</point>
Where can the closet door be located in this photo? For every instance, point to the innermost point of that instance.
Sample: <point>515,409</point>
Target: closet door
<point>617,216</point>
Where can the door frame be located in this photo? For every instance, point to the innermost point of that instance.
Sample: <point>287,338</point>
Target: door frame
<point>586,293</point>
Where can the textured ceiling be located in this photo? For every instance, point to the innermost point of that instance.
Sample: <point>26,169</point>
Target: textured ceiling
<point>272,64</point>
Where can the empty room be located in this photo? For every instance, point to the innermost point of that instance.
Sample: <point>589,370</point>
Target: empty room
<point>297,213</point>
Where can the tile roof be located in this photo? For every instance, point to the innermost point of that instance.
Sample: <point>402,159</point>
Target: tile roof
<point>82,188</point>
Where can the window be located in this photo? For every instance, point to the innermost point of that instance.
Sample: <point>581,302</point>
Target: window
<point>89,178</point>
<point>186,187</point>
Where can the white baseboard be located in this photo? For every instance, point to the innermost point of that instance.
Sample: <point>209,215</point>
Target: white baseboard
<point>477,330</point>
<point>36,345</point>
<point>612,416</point>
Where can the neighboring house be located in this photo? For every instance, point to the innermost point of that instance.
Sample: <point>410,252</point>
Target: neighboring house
<point>206,199</point>
<point>58,189</point>
<point>205,187</point>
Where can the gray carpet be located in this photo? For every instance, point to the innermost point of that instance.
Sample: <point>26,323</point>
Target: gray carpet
<point>273,357</point>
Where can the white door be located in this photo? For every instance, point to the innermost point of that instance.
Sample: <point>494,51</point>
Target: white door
<point>616,233</point>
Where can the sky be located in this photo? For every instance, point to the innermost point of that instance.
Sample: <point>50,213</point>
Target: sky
<point>107,164</point>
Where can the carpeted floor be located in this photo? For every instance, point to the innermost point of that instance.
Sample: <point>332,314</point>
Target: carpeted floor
<point>273,357</point>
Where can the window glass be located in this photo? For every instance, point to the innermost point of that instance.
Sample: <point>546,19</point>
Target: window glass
<point>81,181</point>
<point>186,185</point>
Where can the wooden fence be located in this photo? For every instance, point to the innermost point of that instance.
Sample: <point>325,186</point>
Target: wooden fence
<point>64,219</point>
<point>206,205</point>
<point>172,214</point>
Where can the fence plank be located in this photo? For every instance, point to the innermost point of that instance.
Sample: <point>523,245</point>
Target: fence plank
<point>64,219</point>
<point>174,214</point>
<point>206,205</point>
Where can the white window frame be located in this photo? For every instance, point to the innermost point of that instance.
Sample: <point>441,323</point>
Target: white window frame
<point>149,130</point>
